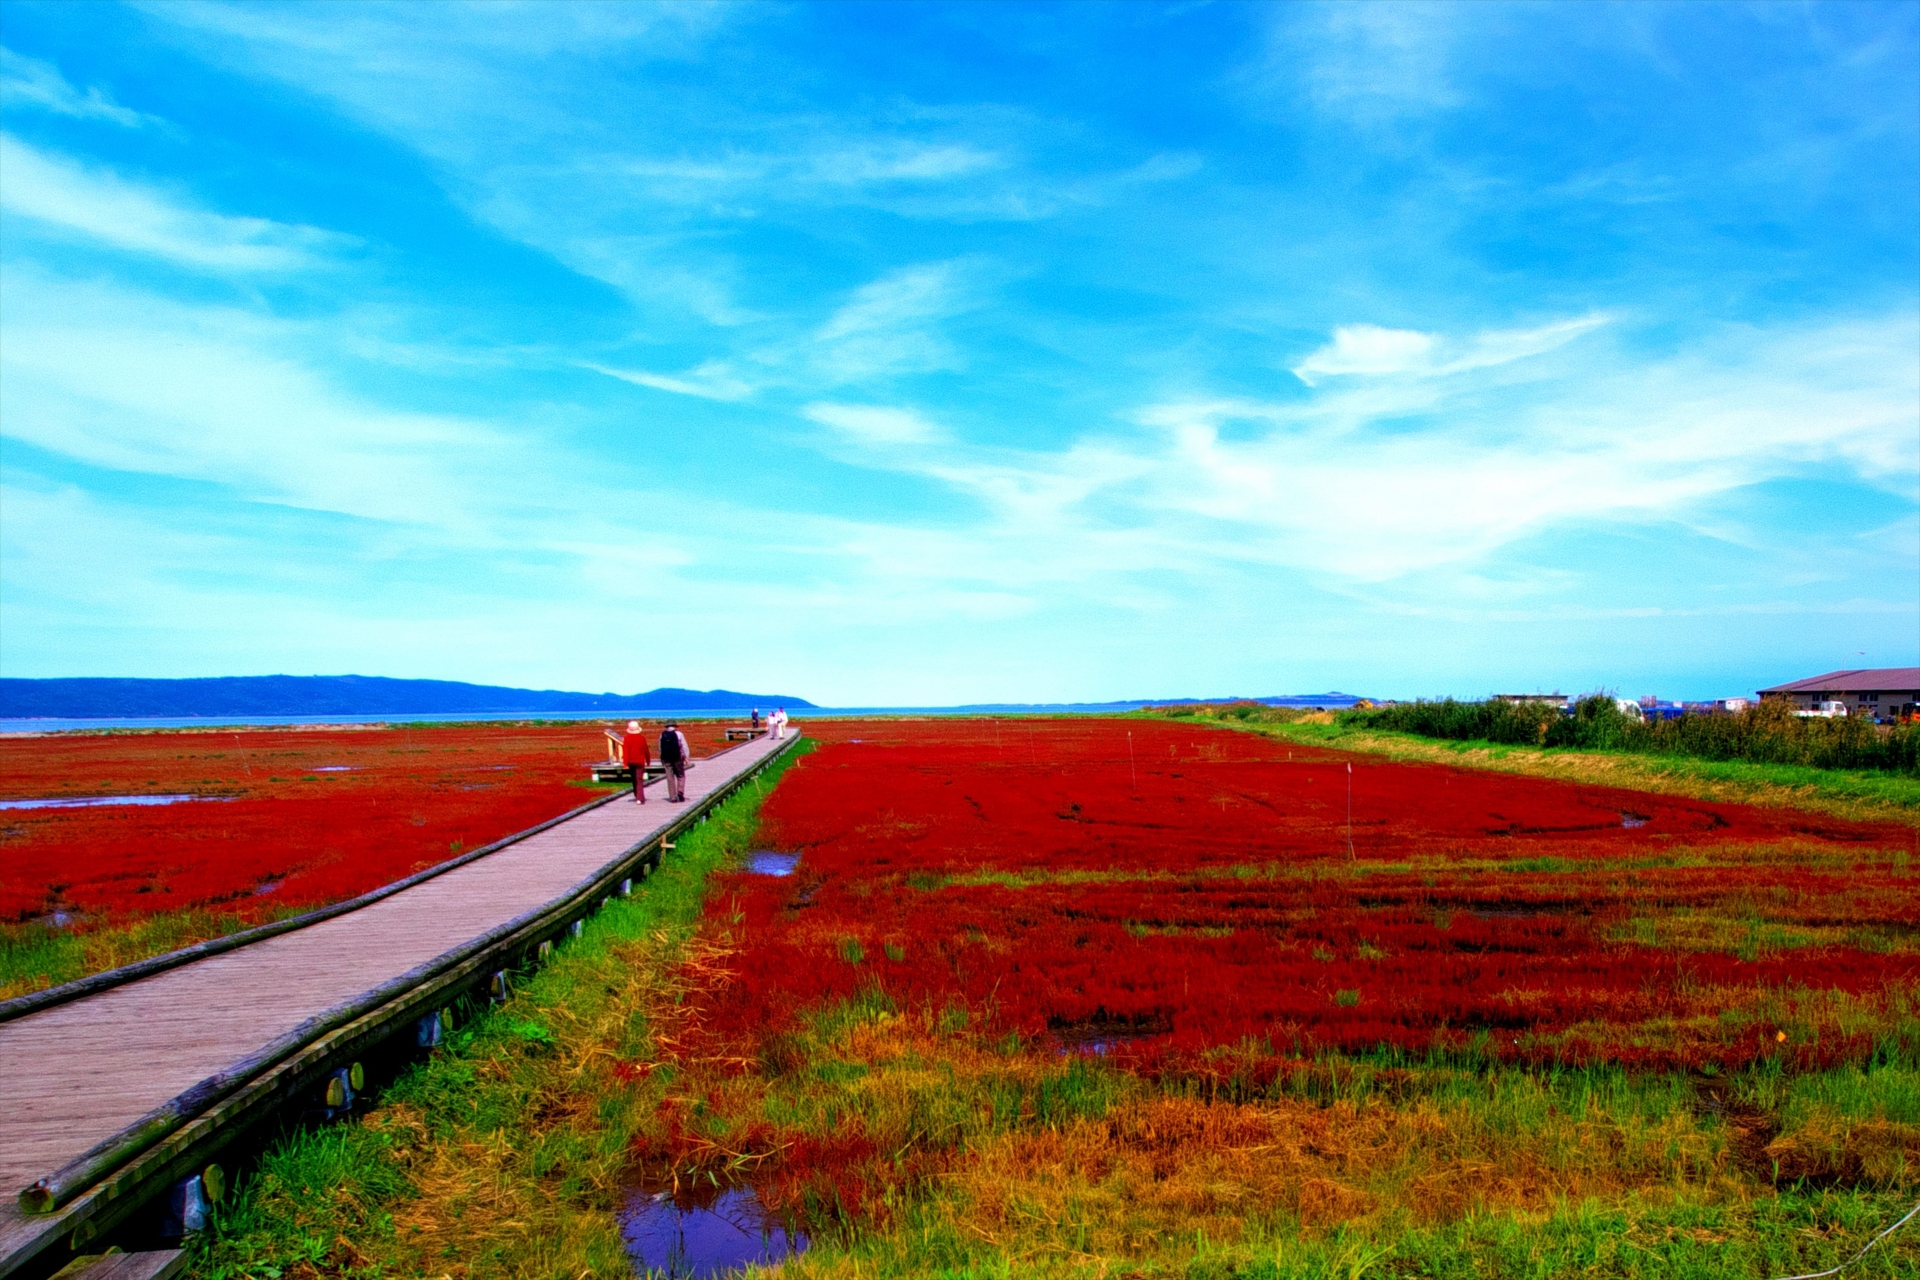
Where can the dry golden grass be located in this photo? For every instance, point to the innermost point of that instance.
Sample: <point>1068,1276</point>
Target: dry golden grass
<point>1141,1181</point>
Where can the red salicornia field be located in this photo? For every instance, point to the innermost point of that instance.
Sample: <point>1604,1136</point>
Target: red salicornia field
<point>283,817</point>
<point>1179,898</point>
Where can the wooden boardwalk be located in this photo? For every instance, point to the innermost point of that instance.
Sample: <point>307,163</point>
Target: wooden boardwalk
<point>77,1073</point>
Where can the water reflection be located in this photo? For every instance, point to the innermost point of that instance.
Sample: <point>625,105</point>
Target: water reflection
<point>1634,820</point>
<point>765,862</point>
<point>713,1232</point>
<point>60,919</point>
<point>88,802</point>
<point>1103,1038</point>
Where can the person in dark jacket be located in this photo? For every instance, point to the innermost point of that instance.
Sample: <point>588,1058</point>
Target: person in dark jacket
<point>633,754</point>
<point>676,756</point>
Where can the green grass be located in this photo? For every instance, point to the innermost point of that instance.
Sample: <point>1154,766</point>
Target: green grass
<point>1644,1238</point>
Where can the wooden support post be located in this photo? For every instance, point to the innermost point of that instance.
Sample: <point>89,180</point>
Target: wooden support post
<point>544,951</point>
<point>213,1180</point>
<point>497,989</point>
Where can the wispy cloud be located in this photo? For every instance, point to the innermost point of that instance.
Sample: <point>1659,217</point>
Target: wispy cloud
<point>85,201</point>
<point>713,380</point>
<point>1370,349</point>
<point>815,169</point>
<point>890,325</point>
<point>1320,487</point>
<point>31,83</point>
<point>874,424</point>
<point>129,381</point>
<point>1368,64</point>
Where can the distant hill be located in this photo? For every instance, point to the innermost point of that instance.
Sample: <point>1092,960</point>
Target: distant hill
<point>86,698</point>
<point>1333,699</point>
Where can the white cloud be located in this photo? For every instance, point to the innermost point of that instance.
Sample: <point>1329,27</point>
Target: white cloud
<point>897,160</point>
<point>712,380</point>
<point>903,297</point>
<point>832,169</point>
<point>872,424</point>
<point>29,82</point>
<point>1319,486</point>
<point>1370,349</point>
<point>549,124</point>
<point>123,215</point>
<point>131,382</point>
<point>1374,63</point>
<point>890,324</point>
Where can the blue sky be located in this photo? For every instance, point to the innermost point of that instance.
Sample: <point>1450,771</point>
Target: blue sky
<point>927,354</point>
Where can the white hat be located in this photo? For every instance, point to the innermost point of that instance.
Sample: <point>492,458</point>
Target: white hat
<point>633,726</point>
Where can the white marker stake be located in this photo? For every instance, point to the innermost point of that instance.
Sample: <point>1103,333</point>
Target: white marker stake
<point>1349,811</point>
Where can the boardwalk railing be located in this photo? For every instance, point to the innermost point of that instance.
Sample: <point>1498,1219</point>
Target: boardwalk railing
<point>97,1188</point>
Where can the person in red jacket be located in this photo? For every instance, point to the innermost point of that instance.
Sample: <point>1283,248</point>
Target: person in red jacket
<point>633,754</point>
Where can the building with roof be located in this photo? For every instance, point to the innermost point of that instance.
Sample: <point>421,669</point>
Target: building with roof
<point>1885,693</point>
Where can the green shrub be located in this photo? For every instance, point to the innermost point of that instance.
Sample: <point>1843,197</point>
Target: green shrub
<point>1768,733</point>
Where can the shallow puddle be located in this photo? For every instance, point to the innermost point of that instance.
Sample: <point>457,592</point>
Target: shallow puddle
<point>89,802</point>
<point>1102,1039</point>
<point>1633,820</point>
<point>58,919</point>
<point>334,768</point>
<point>715,1231</point>
<point>765,862</point>
<point>1099,1046</point>
<point>1506,913</point>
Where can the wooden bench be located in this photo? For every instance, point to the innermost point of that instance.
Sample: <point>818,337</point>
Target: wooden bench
<point>613,770</point>
<point>744,732</point>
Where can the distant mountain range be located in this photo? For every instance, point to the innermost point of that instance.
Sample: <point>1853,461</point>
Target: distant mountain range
<point>90,698</point>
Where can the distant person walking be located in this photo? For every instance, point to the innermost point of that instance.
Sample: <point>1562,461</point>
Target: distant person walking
<point>675,754</point>
<point>633,754</point>
<point>779,722</point>
<point>756,719</point>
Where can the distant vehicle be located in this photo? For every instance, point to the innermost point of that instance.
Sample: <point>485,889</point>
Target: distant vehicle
<point>1629,708</point>
<point>1823,710</point>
